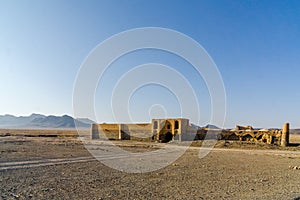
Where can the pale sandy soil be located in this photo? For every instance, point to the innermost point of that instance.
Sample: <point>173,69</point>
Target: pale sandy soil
<point>228,172</point>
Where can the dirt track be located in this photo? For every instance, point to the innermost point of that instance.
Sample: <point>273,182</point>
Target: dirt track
<point>63,169</point>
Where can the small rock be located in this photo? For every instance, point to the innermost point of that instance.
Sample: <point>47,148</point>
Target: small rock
<point>263,180</point>
<point>16,196</point>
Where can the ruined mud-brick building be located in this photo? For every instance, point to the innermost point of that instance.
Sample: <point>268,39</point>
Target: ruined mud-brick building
<point>158,130</point>
<point>268,136</point>
<point>181,129</point>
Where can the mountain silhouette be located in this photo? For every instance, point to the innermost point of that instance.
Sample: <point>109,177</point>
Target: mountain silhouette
<point>211,126</point>
<point>42,121</point>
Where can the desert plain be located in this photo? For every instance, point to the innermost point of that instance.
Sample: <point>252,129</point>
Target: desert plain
<point>54,164</point>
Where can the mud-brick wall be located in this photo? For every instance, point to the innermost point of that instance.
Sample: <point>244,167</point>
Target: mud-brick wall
<point>190,134</point>
<point>110,131</point>
<point>140,132</point>
<point>271,136</point>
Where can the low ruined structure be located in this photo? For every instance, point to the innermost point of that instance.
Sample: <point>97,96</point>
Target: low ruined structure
<point>180,129</point>
<point>238,128</point>
<point>158,130</point>
<point>268,136</point>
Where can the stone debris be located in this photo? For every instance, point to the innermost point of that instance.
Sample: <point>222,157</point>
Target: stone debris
<point>294,167</point>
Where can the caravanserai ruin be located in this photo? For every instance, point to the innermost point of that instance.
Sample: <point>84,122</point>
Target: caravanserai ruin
<point>180,129</point>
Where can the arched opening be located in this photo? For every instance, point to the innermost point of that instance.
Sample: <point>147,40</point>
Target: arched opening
<point>166,137</point>
<point>176,125</point>
<point>155,125</point>
<point>167,125</point>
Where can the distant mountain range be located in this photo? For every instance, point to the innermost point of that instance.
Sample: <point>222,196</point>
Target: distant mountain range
<point>211,126</point>
<point>42,121</point>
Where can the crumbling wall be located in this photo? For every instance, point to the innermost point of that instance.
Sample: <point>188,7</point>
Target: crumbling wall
<point>268,136</point>
<point>139,132</point>
<point>110,131</point>
<point>247,133</point>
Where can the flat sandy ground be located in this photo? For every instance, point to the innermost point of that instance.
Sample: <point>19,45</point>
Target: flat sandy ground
<point>62,168</point>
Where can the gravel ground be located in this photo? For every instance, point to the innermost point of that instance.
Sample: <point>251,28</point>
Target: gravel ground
<point>228,174</point>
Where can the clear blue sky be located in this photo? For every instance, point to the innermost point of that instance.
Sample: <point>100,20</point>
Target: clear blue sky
<point>255,44</point>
